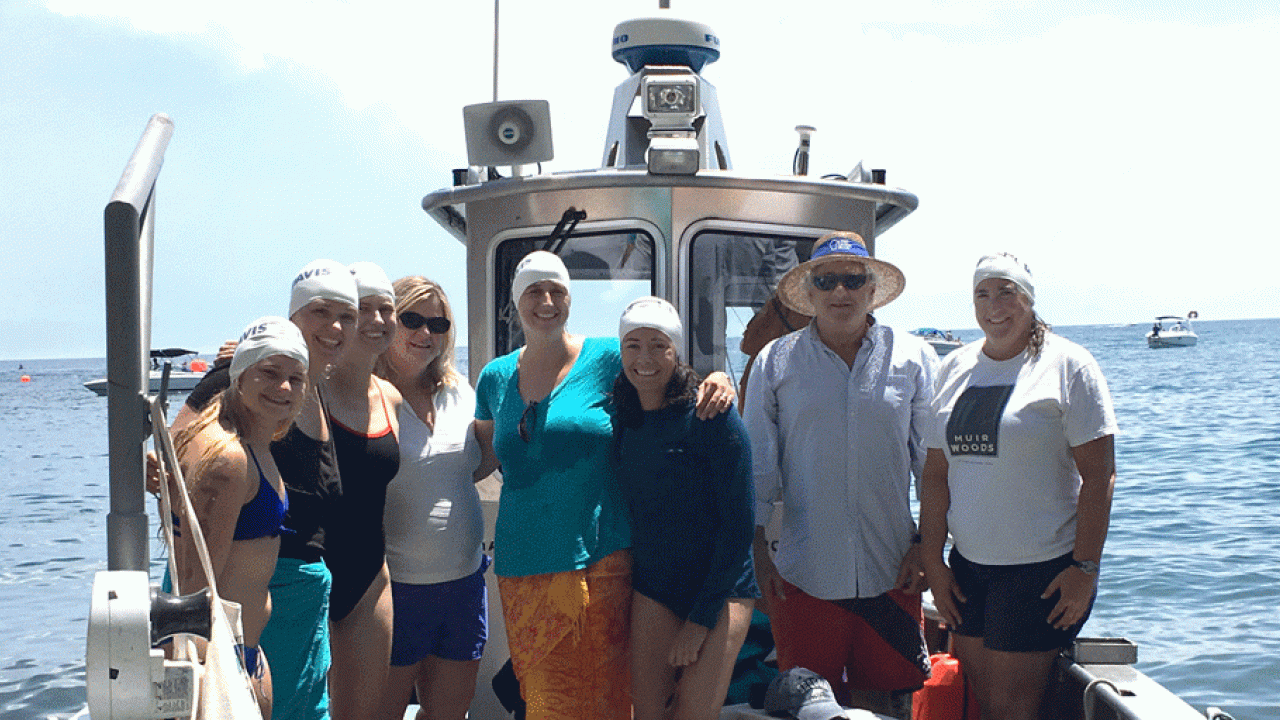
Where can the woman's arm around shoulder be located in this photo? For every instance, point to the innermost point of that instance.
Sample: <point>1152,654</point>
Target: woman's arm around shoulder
<point>483,430</point>
<point>715,395</point>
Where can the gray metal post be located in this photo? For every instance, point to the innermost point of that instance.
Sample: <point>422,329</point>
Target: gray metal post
<point>128,231</point>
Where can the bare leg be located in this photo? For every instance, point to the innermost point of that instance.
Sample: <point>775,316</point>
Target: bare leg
<point>398,690</point>
<point>653,629</point>
<point>704,684</point>
<point>446,688</point>
<point>1008,685</point>
<point>361,647</point>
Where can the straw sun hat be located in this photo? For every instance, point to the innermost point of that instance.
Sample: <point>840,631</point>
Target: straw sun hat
<point>832,248</point>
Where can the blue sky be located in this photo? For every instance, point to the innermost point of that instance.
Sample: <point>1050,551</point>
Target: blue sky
<point>1126,151</point>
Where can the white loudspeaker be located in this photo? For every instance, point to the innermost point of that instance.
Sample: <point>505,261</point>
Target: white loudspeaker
<point>515,132</point>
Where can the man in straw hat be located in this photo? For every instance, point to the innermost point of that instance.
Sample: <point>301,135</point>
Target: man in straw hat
<point>836,412</point>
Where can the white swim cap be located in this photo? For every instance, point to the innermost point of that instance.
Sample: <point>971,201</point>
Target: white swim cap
<point>537,266</point>
<point>656,313</point>
<point>264,338</point>
<point>372,281</point>
<point>1005,267</point>
<point>323,280</point>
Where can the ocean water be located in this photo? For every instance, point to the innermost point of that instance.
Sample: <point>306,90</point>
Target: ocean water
<point>1191,571</point>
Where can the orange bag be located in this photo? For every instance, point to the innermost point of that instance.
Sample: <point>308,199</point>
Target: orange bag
<point>945,695</point>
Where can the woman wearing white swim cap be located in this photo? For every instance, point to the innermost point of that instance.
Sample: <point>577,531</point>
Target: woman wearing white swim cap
<point>362,409</point>
<point>235,487</point>
<point>687,482</point>
<point>562,525</point>
<point>322,302</point>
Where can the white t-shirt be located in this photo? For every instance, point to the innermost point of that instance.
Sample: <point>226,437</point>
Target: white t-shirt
<point>433,521</point>
<point>1007,427</point>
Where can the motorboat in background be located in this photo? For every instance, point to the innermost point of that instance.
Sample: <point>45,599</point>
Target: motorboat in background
<point>1172,331</point>
<point>182,377</point>
<point>942,341</point>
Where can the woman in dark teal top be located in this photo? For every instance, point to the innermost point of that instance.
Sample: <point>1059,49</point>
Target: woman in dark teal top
<point>687,483</point>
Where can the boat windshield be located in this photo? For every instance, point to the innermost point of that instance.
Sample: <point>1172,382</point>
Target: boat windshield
<point>726,275</point>
<point>732,274</point>
<point>608,269</point>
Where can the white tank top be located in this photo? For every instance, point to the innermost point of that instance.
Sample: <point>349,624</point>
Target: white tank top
<point>433,521</point>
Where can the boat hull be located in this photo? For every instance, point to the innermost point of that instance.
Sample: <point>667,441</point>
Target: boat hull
<point>942,347</point>
<point>178,382</point>
<point>1169,340</point>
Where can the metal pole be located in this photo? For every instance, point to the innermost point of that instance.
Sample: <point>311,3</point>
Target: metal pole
<point>128,233</point>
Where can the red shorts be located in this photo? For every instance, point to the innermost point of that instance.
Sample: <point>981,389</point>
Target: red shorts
<point>864,644</point>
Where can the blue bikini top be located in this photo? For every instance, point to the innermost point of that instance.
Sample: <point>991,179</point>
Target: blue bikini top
<point>263,516</point>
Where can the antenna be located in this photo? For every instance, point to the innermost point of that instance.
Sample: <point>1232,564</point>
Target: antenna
<point>800,164</point>
<point>495,49</point>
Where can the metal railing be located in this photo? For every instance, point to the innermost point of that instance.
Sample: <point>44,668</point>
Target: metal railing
<point>128,231</point>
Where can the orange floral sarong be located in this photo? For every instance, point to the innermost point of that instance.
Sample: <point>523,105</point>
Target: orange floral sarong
<point>569,634</point>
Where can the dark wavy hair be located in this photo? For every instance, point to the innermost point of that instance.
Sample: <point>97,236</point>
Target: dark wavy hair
<point>682,388</point>
<point>1038,330</point>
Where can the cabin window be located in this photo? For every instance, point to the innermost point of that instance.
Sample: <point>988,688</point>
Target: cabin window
<point>731,276</point>
<point>608,269</point>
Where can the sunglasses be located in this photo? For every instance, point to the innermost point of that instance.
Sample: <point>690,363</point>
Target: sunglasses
<point>435,325</point>
<point>529,409</point>
<point>828,282</point>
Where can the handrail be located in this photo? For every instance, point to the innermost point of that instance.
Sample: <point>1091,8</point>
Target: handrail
<point>128,242</point>
<point>139,176</point>
<point>1098,690</point>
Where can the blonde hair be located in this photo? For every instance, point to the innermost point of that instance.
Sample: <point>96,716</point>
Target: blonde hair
<point>440,372</point>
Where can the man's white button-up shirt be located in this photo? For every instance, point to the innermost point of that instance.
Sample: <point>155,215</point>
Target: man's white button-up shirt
<point>837,445</point>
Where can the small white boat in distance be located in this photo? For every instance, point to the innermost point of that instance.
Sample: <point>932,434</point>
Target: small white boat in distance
<point>942,341</point>
<point>1172,331</point>
<point>182,378</point>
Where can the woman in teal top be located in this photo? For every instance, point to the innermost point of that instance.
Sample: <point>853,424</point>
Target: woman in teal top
<point>564,574</point>
<point>557,485</point>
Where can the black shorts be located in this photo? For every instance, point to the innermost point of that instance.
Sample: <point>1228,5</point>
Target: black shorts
<point>1004,607</point>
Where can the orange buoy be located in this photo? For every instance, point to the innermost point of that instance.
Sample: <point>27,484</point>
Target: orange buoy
<point>199,365</point>
<point>25,378</point>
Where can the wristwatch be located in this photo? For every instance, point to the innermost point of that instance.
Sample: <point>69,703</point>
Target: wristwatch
<point>1088,567</point>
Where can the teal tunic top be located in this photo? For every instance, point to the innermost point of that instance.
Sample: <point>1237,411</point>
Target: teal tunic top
<point>560,507</point>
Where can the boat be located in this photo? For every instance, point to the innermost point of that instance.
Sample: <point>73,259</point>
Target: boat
<point>182,377</point>
<point>1172,331</point>
<point>664,213</point>
<point>942,341</point>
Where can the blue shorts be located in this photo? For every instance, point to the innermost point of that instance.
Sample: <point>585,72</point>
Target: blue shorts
<point>448,620</point>
<point>1004,607</point>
